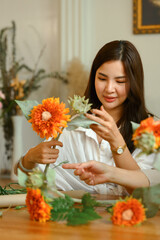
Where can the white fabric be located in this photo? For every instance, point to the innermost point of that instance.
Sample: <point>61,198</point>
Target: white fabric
<point>153,176</point>
<point>81,145</point>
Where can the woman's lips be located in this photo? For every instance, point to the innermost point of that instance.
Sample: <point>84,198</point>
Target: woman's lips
<point>110,99</point>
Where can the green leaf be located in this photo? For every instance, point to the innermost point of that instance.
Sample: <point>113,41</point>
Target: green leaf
<point>19,207</point>
<point>64,209</point>
<point>146,198</point>
<point>50,175</point>
<point>78,217</point>
<point>88,201</point>
<point>22,178</point>
<point>134,126</point>
<point>26,106</point>
<point>109,209</point>
<point>61,207</point>
<point>80,121</point>
<point>1,213</point>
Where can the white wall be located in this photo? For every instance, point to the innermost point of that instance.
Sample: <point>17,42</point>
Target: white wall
<point>112,20</point>
<point>40,22</point>
<point>102,21</point>
<point>37,24</point>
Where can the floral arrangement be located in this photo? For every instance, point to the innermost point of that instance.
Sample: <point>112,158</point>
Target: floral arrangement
<point>13,86</point>
<point>48,120</point>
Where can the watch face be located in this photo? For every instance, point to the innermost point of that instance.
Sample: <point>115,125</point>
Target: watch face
<point>120,150</point>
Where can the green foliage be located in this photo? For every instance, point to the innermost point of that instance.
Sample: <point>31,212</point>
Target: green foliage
<point>150,198</point>
<point>134,126</point>
<point>80,121</point>
<point>64,209</point>
<point>22,178</point>
<point>26,106</point>
<point>7,190</point>
<point>81,216</point>
<point>19,207</point>
<point>109,209</point>
<point>61,206</point>
<point>88,201</point>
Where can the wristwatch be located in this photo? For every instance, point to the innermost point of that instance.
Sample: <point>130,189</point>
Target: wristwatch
<point>119,150</point>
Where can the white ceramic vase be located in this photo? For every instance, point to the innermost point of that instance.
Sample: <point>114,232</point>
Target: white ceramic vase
<point>17,142</point>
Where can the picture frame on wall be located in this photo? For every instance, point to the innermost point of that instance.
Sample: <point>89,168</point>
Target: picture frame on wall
<point>146,16</point>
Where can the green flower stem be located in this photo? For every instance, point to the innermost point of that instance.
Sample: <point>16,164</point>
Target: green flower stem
<point>47,165</point>
<point>45,170</point>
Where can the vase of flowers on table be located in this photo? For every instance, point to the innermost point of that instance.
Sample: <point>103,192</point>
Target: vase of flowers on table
<point>13,86</point>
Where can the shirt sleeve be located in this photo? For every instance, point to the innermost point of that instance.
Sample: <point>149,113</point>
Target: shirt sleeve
<point>153,176</point>
<point>144,161</point>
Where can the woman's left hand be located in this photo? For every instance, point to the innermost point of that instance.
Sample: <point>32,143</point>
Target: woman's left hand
<point>107,129</point>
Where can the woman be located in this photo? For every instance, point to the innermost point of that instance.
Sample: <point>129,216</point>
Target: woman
<point>116,91</point>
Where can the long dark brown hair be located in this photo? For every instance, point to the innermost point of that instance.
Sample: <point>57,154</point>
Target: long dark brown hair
<point>134,106</point>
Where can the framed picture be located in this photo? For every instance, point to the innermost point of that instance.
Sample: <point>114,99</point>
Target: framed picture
<point>146,16</point>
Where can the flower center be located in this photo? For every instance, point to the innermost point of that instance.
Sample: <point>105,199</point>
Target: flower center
<point>127,214</point>
<point>46,116</point>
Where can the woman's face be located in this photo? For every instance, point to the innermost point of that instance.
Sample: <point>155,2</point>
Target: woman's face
<point>112,86</point>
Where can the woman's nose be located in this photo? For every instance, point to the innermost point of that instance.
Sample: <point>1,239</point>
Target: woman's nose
<point>109,86</point>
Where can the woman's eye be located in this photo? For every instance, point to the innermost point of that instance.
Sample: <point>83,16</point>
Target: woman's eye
<point>102,79</point>
<point>121,81</point>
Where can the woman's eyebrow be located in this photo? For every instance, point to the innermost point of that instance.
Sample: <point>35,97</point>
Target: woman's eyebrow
<point>119,77</point>
<point>104,75</point>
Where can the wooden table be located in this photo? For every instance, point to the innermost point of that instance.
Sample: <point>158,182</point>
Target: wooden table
<point>16,225</point>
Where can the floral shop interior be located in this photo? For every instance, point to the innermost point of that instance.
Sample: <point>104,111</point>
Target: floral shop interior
<point>46,51</point>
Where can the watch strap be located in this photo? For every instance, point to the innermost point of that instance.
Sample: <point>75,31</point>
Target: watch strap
<point>117,150</point>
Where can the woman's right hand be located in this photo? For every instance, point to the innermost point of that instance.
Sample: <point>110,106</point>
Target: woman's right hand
<point>91,172</point>
<point>43,153</point>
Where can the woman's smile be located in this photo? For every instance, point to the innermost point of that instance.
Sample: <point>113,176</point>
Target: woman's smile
<point>109,99</point>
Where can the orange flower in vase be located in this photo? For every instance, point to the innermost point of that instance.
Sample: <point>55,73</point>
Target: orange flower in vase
<point>49,118</point>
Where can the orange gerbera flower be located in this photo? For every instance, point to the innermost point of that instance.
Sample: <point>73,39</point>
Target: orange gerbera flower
<point>128,212</point>
<point>157,133</point>
<point>49,118</point>
<point>39,210</point>
<point>146,125</point>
